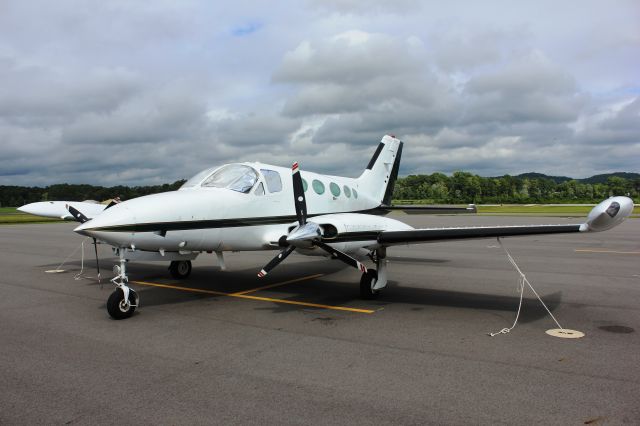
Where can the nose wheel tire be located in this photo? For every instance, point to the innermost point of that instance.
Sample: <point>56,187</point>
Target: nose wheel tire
<point>118,308</point>
<point>180,269</point>
<point>366,281</point>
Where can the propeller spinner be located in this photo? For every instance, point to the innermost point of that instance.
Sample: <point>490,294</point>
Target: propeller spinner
<point>306,234</point>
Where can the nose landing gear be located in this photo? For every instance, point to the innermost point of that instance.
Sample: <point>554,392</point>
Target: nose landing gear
<point>124,300</point>
<point>118,307</point>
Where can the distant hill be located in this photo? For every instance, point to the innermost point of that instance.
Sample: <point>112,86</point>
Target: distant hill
<point>534,175</point>
<point>593,179</point>
<point>603,178</point>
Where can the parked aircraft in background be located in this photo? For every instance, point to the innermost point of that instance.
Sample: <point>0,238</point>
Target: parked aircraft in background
<point>60,209</point>
<point>255,206</point>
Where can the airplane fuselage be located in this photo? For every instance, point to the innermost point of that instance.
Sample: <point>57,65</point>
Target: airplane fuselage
<point>203,218</point>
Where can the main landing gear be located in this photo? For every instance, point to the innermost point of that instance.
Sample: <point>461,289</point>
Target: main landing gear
<point>367,281</point>
<point>372,281</point>
<point>180,269</point>
<point>124,300</point>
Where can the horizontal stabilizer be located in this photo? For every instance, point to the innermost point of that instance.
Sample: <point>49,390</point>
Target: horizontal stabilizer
<point>417,209</point>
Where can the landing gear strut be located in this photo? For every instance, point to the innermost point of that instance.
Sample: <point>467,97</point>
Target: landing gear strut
<point>373,280</point>
<point>124,300</point>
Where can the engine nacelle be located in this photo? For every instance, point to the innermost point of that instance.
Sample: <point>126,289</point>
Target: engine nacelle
<point>608,214</point>
<point>350,232</point>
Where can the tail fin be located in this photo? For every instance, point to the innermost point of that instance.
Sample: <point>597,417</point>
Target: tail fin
<point>380,176</point>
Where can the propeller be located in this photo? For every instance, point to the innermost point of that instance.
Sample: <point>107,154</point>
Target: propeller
<point>82,219</point>
<point>78,216</point>
<point>306,234</point>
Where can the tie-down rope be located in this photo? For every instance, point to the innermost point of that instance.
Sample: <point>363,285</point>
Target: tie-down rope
<point>79,275</point>
<point>522,280</point>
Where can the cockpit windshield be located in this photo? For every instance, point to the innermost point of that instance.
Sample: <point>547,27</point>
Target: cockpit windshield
<point>195,180</point>
<point>236,177</point>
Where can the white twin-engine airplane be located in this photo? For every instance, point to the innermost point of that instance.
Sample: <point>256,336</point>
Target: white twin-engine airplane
<point>254,206</point>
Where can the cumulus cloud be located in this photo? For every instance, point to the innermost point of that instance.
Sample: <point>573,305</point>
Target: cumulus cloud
<point>118,92</point>
<point>366,84</point>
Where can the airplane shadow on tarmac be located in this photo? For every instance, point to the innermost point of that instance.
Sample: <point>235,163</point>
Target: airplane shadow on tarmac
<point>321,290</point>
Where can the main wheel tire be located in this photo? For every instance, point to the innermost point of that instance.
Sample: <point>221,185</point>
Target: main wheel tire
<point>117,307</point>
<point>180,269</point>
<point>366,292</point>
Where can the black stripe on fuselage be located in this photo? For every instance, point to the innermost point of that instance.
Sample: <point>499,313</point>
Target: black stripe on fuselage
<point>211,224</point>
<point>375,156</point>
<point>184,225</point>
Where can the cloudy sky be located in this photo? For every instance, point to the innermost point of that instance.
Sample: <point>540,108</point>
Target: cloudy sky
<point>125,92</point>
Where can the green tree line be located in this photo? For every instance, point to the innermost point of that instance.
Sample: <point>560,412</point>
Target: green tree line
<point>463,187</point>
<point>436,188</point>
<point>15,196</point>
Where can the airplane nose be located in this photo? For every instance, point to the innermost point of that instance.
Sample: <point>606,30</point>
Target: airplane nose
<point>84,229</point>
<point>31,208</point>
<point>106,226</point>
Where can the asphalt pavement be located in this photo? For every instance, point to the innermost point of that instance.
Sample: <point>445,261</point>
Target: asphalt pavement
<point>300,347</point>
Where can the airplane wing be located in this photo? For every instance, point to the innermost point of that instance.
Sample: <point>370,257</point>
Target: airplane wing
<point>605,215</point>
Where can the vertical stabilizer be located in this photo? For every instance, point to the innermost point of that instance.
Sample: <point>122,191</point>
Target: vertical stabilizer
<point>379,178</point>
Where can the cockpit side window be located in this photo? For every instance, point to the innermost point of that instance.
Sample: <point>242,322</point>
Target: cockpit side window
<point>236,177</point>
<point>272,178</point>
<point>259,189</point>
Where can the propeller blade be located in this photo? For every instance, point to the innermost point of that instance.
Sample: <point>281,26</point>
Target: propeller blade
<point>76,214</point>
<point>341,256</point>
<point>276,260</point>
<point>298,195</point>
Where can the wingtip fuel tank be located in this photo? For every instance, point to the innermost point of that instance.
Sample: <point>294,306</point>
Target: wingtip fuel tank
<point>607,214</point>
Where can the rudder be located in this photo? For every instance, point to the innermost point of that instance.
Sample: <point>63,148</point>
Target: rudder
<point>379,178</point>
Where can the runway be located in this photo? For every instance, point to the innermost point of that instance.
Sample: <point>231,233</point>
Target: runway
<point>300,347</point>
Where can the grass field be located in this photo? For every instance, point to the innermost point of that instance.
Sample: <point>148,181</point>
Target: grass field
<point>9,215</point>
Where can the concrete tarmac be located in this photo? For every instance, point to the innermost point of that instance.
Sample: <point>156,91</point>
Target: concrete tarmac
<point>420,354</point>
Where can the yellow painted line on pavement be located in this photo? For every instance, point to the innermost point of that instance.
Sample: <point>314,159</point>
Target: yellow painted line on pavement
<point>175,287</point>
<point>253,290</point>
<point>263,299</point>
<point>606,251</point>
<point>311,305</point>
